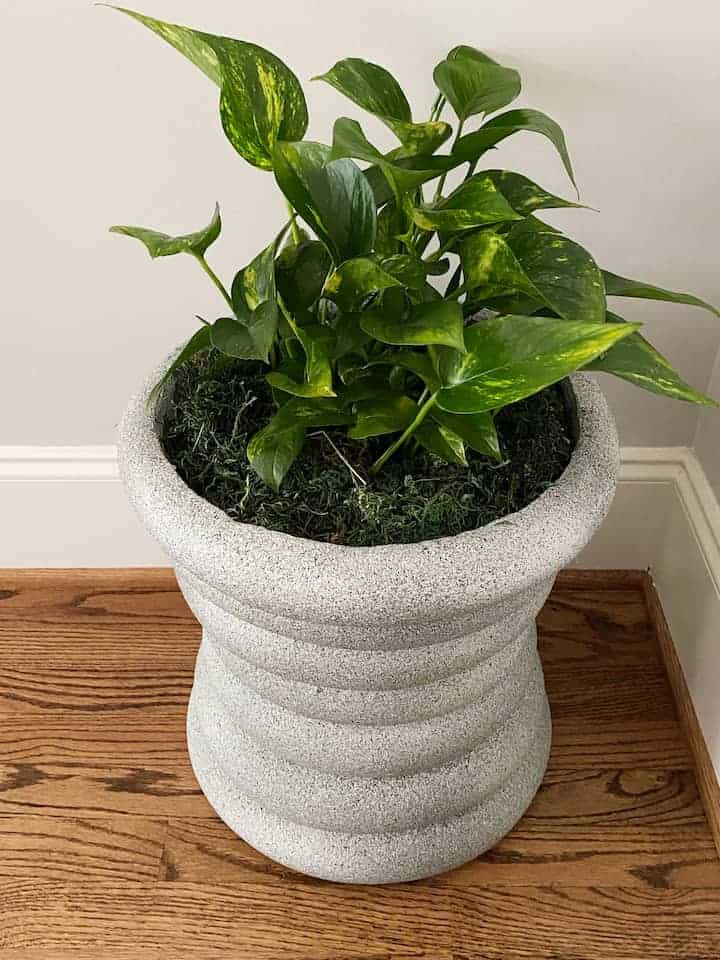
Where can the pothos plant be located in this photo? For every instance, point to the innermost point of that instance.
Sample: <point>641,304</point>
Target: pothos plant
<point>343,303</point>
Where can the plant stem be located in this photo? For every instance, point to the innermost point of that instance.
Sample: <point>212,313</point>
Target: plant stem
<point>419,417</point>
<point>437,107</point>
<point>441,182</point>
<point>215,279</point>
<point>454,281</point>
<point>296,235</point>
<point>458,292</point>
<point>441,250</point>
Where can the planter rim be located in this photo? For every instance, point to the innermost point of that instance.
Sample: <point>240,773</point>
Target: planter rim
<point>308,579</point>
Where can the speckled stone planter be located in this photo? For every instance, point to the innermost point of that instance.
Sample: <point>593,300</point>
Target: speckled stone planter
<point>370,714</point>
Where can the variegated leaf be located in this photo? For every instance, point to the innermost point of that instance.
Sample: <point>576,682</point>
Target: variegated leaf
<point>473,83</point>
<point>332,196</point>
<point>616,286</point>
<point>442,441</point>
<point>509,358</point>
<point>474,203</point>
<point>164,245</point>
<point>384,414</point>
<point>473,145</point>
<point>637,361</point>
<point>440,322</point>
<point>523,194</point>
<point>355,280</point>
<point>261,99</point>
<point>544,265</point>
<point>476,429</point>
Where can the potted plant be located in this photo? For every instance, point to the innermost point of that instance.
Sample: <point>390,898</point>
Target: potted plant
<point>370,468</point>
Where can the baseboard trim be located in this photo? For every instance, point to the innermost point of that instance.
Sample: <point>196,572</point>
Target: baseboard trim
<point>65,464</point>
<point>707,780</point>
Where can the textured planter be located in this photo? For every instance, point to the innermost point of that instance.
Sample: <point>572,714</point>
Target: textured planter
<point>370,714</point>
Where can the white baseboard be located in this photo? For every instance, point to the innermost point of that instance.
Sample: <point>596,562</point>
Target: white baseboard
<point>65,507</point>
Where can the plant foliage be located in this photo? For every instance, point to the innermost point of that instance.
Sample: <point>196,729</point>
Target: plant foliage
<point>348,317</point>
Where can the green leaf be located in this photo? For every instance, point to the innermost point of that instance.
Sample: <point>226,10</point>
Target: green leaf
<point>367,386</point>
<point>509,358</point>
<point>349,140</point>
<point>440,322</point>
<point>442,442</point>
<point>473,83</point>
<point>418,363</point>
<point>163,245</point>
<point>465,52</point>
<point>190,43</point>
<point>473,145</point>
<point>546,266</point>
<point>408,270</point>
<point>564,272</point>
<point>355,280</point>
<point>351,338</point>
<point>334,197</point>
<point>197,343</point>
<point>369,86</point>
<point>523,194</point>
<point>309,412</point>
<point>616,286</point>
<point>273,450</point>
<point>416,171</point>
<point>300,272</point>
<point>375,89</point>
<point>637,361</point>
<point>318,342</point>
<point>474,203</point>
<point>416,138</point>
<point>255,283</point>
<point>476,429</point>
<point>391,224</point>
<point>380,415</point>
<point>250,339</point>
<point>261,100</point>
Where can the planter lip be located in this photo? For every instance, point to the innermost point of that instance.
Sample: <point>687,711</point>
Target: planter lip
<point>308,579</point>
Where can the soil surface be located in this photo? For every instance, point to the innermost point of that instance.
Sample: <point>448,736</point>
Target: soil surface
<point>218,404</point>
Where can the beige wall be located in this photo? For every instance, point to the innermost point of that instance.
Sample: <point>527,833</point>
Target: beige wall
<point>102,123</point>
<point>707,439</point>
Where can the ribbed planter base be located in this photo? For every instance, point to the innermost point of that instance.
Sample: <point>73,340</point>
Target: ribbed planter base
<point>368,784</point>
<point>371,715</point>
<point>383,857</point>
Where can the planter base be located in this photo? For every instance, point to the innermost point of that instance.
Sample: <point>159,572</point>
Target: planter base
<point>388,780</point>
<point>373,858</point>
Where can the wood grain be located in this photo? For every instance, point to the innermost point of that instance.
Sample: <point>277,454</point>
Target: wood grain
<point>109,851</point>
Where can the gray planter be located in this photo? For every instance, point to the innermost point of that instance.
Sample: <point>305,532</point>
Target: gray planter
<point>370,714</point>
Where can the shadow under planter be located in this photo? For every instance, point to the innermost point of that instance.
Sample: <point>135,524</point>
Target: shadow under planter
<point>370,714</point>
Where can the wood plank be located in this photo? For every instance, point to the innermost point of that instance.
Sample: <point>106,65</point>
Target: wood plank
<point>58,617</point>
<point>572,578</point>
<point>57,848</point>
<point>333,921</point>
<point>85,688</point>
<point>630,828</point>
<point>602,923</point>
<point>92,764</point>
<point>244,920</point>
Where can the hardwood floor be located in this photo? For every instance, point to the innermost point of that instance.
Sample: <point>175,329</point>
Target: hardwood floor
<point>109,851</point>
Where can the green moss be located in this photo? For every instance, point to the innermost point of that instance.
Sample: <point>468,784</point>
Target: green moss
<point>219,403</point>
